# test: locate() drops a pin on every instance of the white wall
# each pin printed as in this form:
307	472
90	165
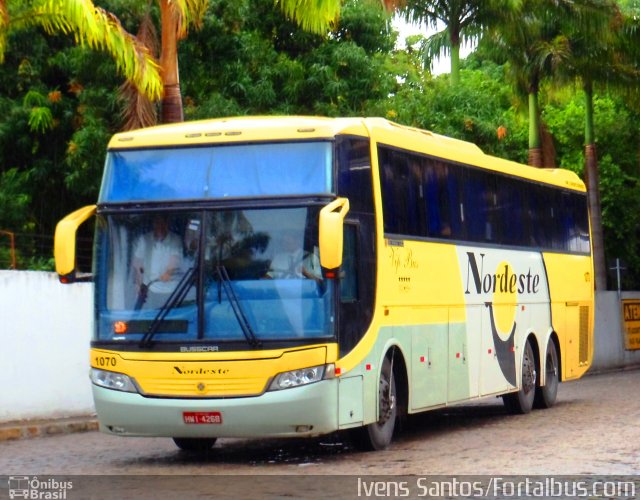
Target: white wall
609	348
45	329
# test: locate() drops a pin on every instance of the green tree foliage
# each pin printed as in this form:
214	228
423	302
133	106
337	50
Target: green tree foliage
618	140
479	109
56	108
460	21
59	105
257	61
90	26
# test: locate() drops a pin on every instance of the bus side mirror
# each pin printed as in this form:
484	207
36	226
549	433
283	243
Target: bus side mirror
64	248
331	232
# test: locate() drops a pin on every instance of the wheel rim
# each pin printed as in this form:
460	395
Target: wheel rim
528	372
552	369
387	400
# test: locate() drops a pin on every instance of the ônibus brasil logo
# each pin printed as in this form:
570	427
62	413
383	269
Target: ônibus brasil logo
504	285
34	488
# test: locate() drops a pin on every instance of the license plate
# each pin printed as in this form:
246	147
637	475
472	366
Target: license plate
202	417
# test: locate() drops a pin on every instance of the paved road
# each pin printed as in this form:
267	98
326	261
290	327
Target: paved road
594	429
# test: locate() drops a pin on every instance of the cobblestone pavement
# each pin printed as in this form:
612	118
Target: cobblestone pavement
592	430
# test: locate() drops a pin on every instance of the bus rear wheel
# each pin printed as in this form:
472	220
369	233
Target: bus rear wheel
522	401
546	394
378	435
195	444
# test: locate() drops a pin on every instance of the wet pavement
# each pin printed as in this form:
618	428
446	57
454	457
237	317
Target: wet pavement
593	429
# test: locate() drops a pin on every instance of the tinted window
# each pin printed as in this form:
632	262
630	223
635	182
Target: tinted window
349	277
442	200
218	172
354	173
433	198
402	193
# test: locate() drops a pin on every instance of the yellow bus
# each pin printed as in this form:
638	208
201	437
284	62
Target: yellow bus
296	276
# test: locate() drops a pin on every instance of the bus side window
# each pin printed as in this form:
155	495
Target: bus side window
437	199
510	210
402	192
357	280
476	197
349	272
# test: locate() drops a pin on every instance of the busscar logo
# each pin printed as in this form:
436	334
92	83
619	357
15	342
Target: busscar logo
204	348
504	285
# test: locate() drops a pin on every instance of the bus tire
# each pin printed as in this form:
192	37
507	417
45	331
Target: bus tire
378	435
195	444
521	402
546	394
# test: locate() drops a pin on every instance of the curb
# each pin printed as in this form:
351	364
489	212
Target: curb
27	429
613	369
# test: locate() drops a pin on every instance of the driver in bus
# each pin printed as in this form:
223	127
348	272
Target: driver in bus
293	261
157	256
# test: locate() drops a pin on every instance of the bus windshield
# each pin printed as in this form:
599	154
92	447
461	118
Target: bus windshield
205	172
211	276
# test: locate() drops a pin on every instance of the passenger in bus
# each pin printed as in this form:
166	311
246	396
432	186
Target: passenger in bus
157	256
293	261
227	229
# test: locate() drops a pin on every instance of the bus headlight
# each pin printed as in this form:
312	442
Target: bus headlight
296	378
112	380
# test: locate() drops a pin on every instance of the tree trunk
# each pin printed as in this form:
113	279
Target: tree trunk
535	151
547	146
455	63
535	157
171	100
593	193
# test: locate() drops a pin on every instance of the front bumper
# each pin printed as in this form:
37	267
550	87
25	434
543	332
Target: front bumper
309	410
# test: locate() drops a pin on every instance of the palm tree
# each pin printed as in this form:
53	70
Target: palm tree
176	17
628	43
557	41
89	25
463	22
535	42
600	55
100	29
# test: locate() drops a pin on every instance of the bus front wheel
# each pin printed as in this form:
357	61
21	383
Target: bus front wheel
378	435
522	401
195	444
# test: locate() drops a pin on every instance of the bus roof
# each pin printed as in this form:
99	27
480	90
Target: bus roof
280	128
239	129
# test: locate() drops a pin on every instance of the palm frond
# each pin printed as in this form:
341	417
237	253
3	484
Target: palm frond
316	16
100	30
424	12
435	46
189	13
138	111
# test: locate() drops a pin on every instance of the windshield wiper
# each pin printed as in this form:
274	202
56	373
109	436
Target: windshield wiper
225	283
175	298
